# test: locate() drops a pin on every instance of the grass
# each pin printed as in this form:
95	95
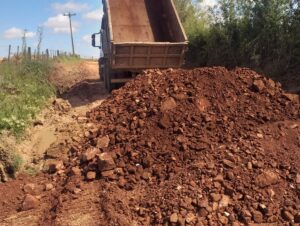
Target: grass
24	91
68	59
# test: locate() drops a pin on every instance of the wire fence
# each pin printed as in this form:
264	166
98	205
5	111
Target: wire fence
17	53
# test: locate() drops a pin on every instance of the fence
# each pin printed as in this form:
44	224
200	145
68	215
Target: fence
16	53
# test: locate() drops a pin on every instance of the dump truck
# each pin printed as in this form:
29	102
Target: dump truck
136	35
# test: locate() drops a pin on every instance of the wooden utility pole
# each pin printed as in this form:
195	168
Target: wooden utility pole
71	29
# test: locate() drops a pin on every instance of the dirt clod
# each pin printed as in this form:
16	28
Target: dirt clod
168	105
267	178
49	187
91	175
287	216
30	202
106	162
258	85
29	188
90	154
103	142
174	218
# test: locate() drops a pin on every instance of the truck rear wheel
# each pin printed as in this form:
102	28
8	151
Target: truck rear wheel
101	69
107	78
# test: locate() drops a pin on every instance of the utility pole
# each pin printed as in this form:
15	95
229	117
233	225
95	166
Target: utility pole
71	29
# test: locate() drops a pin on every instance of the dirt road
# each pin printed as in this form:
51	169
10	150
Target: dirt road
46	142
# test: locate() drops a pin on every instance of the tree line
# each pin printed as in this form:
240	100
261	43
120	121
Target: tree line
261	34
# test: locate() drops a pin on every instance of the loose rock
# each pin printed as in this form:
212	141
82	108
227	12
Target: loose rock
103	142
30	202
267	178
106	162
91	175
174	218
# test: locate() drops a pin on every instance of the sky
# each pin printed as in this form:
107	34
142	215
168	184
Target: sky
18	15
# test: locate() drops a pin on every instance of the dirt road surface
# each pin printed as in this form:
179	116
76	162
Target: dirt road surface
62	122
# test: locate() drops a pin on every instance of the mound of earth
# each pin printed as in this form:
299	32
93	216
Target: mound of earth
201	147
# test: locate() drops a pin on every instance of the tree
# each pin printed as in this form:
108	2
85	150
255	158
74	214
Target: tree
262	34
193	20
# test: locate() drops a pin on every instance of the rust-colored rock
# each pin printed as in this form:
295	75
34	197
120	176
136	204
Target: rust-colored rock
202	104
90	154
29	189
258	85
168	104
174	218
106	162
267	178
103	142
30	202
91	175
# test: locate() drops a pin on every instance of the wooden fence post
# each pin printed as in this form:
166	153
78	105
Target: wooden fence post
9	51
18	51
29	53
47	53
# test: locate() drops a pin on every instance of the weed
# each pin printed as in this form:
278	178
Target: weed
17	163
31	171
24	90
68	59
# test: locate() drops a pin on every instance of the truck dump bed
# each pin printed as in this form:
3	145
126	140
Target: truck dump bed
130	21
145	34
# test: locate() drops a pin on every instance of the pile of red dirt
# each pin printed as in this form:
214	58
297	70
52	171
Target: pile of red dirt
195	147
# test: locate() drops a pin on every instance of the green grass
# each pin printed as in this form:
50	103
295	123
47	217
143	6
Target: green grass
24	91
68	59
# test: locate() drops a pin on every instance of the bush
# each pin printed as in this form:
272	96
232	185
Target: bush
262	34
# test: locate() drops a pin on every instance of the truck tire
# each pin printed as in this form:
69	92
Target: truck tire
107	78
101	71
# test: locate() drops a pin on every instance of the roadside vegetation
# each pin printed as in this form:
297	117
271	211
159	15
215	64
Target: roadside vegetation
262	34
24	90
68	59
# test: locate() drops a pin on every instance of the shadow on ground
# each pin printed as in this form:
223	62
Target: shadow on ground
85	92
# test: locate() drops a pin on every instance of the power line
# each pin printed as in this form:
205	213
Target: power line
71	29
